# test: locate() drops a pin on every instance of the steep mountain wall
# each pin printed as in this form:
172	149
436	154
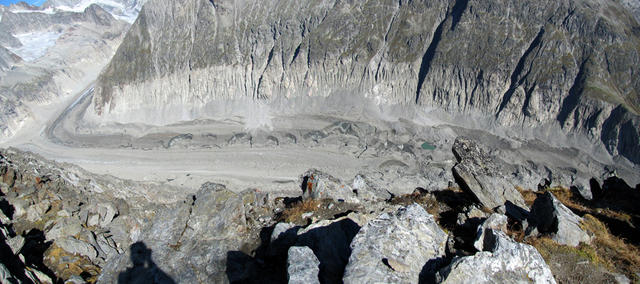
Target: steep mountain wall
46	56
570	65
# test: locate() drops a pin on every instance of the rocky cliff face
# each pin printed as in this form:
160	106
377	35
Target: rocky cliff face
545	65
47	53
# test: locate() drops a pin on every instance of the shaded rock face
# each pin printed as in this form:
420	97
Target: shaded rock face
550	216
503	261
536	66
477	173
396	248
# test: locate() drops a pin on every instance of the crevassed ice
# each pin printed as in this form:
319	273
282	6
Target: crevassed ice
35	44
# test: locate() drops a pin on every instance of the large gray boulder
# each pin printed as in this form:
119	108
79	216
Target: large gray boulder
64	227
302	266
396	247
320	185
188	241
477	173
550	216
75	246
505	261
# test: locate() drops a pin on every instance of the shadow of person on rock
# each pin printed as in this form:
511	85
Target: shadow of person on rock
144	270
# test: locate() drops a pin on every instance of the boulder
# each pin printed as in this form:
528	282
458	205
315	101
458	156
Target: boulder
75	279
93	220
319	185
188	241
64	227
550	216
283	236
396	247
495	222
330	240
477	173
302	266
16	243
75	246
470	213
35	212
366	190
504	261
40	276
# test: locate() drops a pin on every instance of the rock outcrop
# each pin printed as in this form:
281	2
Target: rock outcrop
496	222
550	216
544	68
503	261
46	56
477	173
396	247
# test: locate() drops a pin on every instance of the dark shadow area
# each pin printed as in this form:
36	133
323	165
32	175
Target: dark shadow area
330	244
6	208
618	196
516	212
144	270
431	268
12	262
543	216
465	234
33	251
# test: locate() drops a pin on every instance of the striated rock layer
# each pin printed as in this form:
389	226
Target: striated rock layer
541	68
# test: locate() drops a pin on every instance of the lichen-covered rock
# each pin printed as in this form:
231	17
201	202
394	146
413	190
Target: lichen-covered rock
503	261
477	173
396	247
550	216
302	266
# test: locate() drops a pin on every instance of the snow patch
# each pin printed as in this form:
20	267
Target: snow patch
35	44
49	11
118	10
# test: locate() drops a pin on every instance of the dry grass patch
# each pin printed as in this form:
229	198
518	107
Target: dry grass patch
428	201
614	252
572	264
588	263
529	196
294	213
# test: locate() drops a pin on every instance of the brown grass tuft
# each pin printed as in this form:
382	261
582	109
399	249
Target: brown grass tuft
572	264
613	251
294	213
529	196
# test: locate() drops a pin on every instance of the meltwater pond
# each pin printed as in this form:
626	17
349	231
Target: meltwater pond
428	146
